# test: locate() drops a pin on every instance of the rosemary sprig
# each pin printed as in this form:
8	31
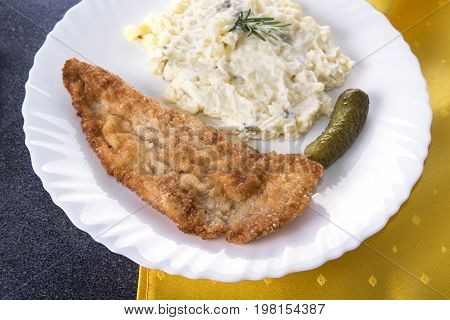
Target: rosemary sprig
258	26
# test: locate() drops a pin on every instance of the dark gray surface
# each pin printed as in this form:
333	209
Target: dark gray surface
42	254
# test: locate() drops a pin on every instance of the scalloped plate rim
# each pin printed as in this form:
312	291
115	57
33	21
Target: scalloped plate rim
331	254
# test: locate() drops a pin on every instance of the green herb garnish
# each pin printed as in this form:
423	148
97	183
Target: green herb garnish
260	27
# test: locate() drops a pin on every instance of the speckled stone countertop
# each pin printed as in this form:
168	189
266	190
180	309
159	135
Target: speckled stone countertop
42	254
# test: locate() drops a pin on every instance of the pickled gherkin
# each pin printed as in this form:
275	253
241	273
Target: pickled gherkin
347	121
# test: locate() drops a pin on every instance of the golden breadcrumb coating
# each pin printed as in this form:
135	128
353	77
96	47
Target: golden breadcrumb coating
207	185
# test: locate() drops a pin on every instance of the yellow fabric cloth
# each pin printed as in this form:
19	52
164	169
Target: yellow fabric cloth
410	257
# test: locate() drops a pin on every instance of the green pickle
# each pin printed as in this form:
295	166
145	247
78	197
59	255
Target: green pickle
347	121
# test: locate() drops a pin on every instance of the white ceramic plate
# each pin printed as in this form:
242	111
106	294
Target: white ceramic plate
354	200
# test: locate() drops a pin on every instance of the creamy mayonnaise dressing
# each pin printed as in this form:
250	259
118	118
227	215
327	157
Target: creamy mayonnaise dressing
260	89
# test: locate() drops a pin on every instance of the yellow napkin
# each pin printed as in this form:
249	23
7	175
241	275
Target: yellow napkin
410	257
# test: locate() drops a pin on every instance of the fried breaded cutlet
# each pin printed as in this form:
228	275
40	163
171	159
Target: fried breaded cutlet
207	185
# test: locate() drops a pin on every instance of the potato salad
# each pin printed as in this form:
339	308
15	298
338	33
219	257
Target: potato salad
258	66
